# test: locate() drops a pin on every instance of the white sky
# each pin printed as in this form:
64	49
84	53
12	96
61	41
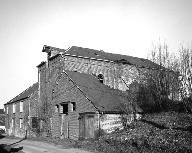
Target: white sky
119	26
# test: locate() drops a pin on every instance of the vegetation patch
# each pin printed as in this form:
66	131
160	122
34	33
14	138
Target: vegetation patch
173	136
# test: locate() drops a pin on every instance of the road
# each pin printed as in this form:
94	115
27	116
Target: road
41	147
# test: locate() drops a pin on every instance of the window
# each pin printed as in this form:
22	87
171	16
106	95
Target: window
21	123
14	106
12	122
64	108
100	77
34	122
71	106
21	106
7	109
74	106
56	108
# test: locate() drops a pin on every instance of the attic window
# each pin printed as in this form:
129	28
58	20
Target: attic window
100	78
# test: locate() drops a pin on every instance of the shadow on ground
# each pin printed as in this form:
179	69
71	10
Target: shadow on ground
2	136
5	148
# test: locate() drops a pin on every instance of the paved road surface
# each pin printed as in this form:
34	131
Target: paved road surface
41	147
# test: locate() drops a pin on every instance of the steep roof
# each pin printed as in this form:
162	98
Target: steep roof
25	94
103	97
118	58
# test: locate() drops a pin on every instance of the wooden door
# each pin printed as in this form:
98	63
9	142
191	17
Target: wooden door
82	127
65	126
89	127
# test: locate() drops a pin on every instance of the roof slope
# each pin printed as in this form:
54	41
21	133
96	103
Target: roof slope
103	97
25	94
92	53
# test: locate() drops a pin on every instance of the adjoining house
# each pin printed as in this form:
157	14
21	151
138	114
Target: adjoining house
2	119
20	111
79	92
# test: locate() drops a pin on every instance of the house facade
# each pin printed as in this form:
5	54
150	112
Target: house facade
79	93
21	111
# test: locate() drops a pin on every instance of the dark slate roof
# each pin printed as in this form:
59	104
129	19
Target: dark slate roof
25	94
103	97
118	58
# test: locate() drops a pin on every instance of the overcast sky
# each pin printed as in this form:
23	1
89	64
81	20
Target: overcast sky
119	26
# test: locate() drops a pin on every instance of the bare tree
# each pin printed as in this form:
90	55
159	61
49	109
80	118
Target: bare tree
180	63
165	79
185	69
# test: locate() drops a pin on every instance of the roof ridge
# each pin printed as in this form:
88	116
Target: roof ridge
120	58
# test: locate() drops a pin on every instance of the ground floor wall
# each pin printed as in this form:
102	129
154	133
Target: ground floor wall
72	125
84	125
65	125
18	129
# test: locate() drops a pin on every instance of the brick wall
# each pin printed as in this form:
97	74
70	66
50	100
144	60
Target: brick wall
13	120
56	88
67	126
113	73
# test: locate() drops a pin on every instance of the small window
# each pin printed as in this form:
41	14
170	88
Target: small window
12	122
34	122
7	109
74	106
56	108
71	106
14	106
21	123
64	109
100	77
21	107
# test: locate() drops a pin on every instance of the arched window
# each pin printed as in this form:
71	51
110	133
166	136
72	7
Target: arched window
100	78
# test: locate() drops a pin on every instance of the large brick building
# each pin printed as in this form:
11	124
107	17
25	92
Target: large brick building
78	91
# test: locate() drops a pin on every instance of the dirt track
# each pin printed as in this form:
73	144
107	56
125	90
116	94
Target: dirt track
41	147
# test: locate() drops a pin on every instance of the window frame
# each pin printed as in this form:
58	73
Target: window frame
21	106
21	123
7	109
14	108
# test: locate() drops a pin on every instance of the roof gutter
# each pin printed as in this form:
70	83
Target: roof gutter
17	100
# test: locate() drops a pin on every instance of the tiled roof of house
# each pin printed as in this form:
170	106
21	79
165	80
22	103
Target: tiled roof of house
103	97
25	94
118	58
101	55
